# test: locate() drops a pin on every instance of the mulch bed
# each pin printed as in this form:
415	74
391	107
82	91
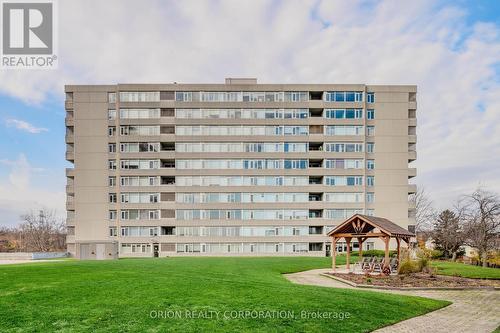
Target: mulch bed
420	280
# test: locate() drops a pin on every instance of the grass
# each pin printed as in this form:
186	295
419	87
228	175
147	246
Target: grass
466	271
121	295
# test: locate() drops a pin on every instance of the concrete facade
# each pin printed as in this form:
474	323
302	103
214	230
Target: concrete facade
233	169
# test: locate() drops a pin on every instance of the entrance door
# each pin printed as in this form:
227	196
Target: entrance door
156	250
328	249
84	251
100	250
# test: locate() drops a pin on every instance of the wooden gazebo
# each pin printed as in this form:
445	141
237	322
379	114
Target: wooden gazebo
363	227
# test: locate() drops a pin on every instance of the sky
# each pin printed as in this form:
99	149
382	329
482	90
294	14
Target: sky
449	49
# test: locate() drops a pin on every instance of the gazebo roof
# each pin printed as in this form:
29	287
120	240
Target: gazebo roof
359	224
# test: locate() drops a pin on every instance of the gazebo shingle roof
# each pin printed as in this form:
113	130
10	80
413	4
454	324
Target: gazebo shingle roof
386	226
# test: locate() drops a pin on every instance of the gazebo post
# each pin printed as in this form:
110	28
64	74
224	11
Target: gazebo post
334	252
360	242
387	240
348	257
398	240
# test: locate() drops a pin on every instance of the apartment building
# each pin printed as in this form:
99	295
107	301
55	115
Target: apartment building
239	168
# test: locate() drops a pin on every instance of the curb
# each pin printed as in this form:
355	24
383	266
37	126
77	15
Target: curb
366	286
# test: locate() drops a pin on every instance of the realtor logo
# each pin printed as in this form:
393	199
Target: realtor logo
28	34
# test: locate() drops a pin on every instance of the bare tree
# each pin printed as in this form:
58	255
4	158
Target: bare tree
448	233
481	211
424	211
41	232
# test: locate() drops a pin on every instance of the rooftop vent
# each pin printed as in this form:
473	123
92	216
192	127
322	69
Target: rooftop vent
239	80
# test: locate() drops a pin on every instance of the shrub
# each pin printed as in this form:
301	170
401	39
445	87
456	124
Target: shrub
422	264
407	267
415	266
437	254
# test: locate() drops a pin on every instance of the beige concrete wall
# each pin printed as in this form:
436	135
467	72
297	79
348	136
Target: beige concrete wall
90	120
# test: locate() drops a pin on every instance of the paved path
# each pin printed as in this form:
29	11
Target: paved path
23	261
475	311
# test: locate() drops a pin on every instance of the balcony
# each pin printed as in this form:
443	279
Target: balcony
412	189
412	139
315	180
167	180
70	156
69	118
412	156
315	163
70	188
70	238
68	104
70	172
412	172
315	196
70	138
315	146
411	207
412	122
315	213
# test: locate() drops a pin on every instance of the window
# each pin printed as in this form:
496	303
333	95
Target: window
112	164
370	181
344	130
111	114
112	197
139	147
112	232
139	113
111	181
370	164
344	96
111	131
343	197
344	147
140	214
112	147
139	130
140	96
370	130
131	197
343	180
295	164
220	96
370	197
370	146
370	114
111	97
112	214
184	96
344	113
370	97
296	96
344	164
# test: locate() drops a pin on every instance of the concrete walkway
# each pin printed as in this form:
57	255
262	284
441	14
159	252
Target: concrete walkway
472	310
22	261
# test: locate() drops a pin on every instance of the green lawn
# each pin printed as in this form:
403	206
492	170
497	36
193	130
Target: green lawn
121	295
467	271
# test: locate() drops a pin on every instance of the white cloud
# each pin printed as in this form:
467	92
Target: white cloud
25	126
18	194
454	64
